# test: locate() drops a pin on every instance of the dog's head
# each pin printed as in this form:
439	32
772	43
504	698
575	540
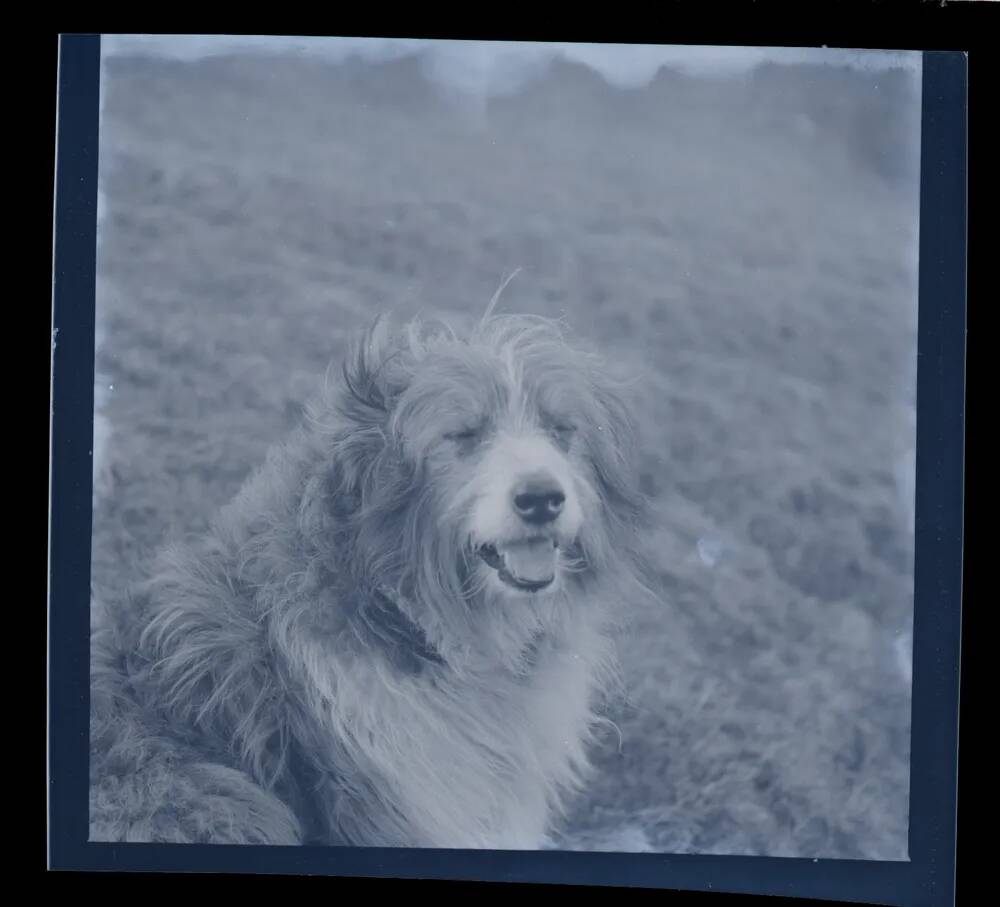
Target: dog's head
486	477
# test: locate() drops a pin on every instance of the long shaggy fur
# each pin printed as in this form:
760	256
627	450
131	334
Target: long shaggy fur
332	663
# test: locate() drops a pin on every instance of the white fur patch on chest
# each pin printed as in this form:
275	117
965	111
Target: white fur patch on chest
450	760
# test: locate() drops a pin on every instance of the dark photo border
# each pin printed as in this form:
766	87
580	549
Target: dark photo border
926	879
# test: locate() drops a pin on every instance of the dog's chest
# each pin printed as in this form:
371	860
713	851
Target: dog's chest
445	760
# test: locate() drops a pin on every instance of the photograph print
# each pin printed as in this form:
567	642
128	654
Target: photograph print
504	446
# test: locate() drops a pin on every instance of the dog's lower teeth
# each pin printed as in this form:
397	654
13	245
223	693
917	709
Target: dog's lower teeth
527	585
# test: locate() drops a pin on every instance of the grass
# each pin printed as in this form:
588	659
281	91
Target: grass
746	246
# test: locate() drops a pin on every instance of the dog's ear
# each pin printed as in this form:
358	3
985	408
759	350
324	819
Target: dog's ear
373	373
615	462
614	451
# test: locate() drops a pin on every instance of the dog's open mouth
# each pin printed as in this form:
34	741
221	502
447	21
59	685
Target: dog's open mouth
528	565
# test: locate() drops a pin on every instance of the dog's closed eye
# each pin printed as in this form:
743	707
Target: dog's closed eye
563	432
471	433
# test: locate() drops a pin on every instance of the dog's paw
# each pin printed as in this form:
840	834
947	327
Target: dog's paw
199	803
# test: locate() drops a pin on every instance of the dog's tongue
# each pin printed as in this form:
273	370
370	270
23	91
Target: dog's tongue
531	561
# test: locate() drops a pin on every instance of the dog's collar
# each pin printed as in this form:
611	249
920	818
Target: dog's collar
407	643
398	631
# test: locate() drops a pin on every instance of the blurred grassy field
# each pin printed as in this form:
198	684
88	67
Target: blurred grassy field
746	245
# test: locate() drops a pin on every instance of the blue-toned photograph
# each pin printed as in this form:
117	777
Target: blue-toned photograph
505	446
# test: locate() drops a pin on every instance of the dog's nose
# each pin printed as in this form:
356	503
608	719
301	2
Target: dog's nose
538	501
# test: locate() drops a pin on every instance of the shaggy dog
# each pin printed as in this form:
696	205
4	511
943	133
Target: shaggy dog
398	632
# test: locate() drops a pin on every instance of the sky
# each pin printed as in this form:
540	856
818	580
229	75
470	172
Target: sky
494	68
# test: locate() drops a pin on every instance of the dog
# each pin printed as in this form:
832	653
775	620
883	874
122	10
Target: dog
400	631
